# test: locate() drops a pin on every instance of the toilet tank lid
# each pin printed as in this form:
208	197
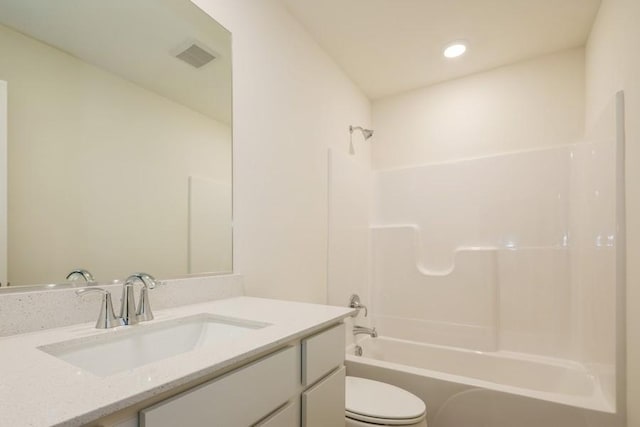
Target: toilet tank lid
381	400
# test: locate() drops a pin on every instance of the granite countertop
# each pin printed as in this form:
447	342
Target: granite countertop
38	389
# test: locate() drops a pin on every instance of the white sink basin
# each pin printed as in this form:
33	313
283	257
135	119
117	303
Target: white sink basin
134	346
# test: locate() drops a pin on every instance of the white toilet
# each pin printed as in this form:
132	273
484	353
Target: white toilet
374	403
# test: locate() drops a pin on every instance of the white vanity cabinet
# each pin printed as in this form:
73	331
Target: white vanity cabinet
239	398
322	353
323	404
323	378
287	416
300	385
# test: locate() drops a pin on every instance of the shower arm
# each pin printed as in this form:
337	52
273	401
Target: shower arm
366	133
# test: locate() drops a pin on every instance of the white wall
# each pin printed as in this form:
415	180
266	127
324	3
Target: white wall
612	64
532	104
99	168
349	260
291	102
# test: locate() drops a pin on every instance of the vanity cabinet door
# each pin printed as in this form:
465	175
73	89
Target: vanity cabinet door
323	404
289	416
238	399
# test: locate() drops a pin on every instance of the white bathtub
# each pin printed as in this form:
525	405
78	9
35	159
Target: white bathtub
464	388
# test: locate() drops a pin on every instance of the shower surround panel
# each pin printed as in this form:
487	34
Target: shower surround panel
517	256
482	246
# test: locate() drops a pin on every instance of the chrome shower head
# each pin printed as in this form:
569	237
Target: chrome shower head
367	133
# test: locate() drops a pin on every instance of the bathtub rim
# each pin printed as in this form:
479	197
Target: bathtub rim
596	401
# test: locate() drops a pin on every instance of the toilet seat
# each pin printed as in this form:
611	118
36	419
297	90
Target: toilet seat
384	421
381	403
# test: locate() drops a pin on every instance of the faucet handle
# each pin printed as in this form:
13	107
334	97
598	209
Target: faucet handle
128	304
144	312
354	302
106	318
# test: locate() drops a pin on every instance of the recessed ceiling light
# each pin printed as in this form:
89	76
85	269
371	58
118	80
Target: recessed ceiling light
454	49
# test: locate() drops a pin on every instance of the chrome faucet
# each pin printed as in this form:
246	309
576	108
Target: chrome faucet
128	312
358	330
81	272
129	315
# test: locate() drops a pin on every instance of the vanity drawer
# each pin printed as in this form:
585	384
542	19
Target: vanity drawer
322	353
239	398
289	416
323	404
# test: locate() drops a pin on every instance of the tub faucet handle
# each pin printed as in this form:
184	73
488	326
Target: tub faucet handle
354	302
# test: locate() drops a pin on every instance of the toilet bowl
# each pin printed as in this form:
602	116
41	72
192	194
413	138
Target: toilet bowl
373	403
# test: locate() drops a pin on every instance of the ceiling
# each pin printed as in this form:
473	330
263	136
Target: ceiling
136	40
391	46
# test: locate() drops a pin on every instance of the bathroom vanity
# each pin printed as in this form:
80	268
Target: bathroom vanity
301	384
233	362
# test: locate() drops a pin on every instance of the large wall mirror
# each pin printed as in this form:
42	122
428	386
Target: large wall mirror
118	134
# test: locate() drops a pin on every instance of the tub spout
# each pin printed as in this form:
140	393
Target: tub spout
357	330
